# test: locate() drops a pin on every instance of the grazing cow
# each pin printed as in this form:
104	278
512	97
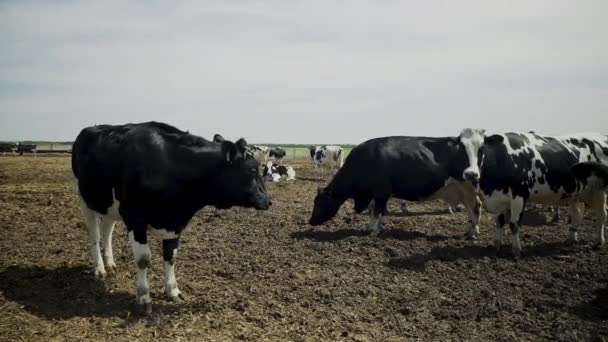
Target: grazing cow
278	154
260	153
26	148
275	171
154	177
408	168
7	147
514	169
327	157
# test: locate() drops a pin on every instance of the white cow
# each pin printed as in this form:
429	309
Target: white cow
329	157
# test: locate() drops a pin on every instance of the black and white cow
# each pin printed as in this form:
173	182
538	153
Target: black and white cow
276	172
329	157
260	153
278	154
408	168
26	148
518	168
154	177
8	147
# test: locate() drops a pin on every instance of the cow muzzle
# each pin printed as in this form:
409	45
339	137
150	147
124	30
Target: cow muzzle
471	176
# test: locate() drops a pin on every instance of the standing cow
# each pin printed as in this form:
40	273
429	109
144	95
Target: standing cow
329	157
278	154
8	147
155	177
408	168
516	168
260	153
26	148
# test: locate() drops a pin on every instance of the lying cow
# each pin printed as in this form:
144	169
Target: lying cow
278	154
408	168
276	172
327	157
528	167
155	177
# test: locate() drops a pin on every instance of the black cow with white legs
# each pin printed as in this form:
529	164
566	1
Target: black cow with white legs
518	168
408	168
154	177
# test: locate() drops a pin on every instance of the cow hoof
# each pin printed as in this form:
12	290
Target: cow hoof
96	272
516	254
374	233
143	309
111	266
471	237
177	299
598	246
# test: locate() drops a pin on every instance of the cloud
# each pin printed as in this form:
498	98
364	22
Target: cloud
315	71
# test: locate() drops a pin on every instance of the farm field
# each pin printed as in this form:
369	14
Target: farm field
266	275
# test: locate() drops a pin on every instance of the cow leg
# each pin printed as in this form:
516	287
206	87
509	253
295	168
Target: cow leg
404	207
450	210
107	228
138	236
500	226
376	210
576	211
555	218
599	205
474	211
170	256
92	222
517	209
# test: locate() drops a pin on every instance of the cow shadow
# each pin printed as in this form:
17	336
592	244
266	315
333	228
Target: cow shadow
418	262
596	309
62	293
347	233
67	292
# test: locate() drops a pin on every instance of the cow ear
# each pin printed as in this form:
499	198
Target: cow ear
494	139
230	151
218	138
242	145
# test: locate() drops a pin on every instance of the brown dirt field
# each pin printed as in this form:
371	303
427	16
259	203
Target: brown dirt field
265	275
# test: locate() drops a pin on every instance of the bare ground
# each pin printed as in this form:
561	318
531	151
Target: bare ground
266	275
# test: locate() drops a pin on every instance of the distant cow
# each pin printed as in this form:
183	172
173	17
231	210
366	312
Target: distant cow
278	154
155	177
518	168
26	148
8	147
260	153
408	168
327	157
276	172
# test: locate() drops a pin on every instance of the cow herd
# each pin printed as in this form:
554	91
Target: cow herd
155	177
14	148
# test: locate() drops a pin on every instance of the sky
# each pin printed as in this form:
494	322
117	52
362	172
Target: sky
290	71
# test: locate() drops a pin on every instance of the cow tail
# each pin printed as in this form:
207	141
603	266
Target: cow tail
341	158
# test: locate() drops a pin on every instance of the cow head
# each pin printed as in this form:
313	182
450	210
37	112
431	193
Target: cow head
472	139
267	169
325	208
240	178
474	142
